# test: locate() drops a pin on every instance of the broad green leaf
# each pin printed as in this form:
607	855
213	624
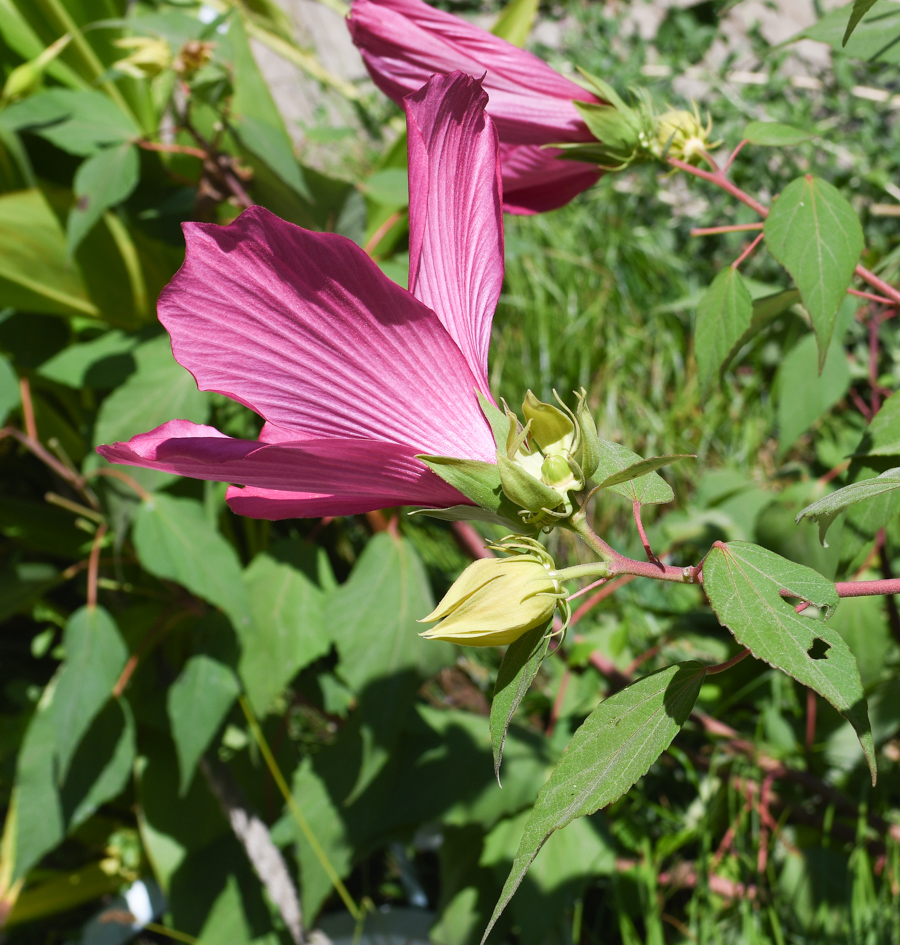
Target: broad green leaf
723	316
876	38
774	134
804	396
95	657
101	363
36	273
745	585
80	122
175	541
815	234
10	397
860	9
614	747
22	584
882	438
291	629
648	489
520	665
197	703
45	810
102	181
827	509
389	187
516	21
642	468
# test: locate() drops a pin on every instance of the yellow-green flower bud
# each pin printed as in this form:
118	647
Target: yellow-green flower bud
555	471
682	135
149	56
495	601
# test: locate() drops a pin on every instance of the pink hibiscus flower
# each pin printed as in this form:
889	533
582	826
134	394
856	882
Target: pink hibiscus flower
404	42
353	375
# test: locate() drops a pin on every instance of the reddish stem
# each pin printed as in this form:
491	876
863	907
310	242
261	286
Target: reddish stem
94	565
720	180
381	232
747	251
871	297
721	667
172	149
602	594
735	153
636	510
28	409
733	228
558	703
810	720
123	477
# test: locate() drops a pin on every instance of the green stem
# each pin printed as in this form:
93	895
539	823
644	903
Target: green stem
595	569
294	808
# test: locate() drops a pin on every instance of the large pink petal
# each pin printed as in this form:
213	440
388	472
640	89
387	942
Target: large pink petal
274	505
455	213
405	42
307	331
536	180
369	470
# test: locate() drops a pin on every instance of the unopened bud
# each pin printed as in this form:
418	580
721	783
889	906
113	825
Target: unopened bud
682	135
495	601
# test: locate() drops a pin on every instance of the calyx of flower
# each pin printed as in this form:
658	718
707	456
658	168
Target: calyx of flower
681	134
496	600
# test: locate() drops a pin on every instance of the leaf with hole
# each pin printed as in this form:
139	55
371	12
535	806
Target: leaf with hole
614	747
746	586
815	234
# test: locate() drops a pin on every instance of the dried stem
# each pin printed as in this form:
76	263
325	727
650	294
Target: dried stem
732	228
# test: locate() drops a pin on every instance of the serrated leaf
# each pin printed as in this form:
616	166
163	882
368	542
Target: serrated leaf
724	315
827	509
860	9
95	657
516	21
520	665
815	234
197	703
614	747
745	585
773	134
647	489
174	540
102	181
291	629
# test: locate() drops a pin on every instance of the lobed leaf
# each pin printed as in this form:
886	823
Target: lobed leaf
746	585
520	665
815	234
825	510
614	747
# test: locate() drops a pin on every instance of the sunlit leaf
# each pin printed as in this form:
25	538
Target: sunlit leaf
746	585
827	509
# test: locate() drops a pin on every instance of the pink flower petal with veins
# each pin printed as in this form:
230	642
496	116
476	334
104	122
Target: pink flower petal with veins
353	375
535	180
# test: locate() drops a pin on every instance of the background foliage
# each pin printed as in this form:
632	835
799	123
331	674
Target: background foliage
155	646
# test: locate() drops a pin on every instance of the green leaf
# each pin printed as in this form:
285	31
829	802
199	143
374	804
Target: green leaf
10	397
860	9
175	541
101	363
389	187
614	747
804	396
45	810
874	39
775	135
815	234
723	316
882	438
22	584
102	181
516	21
745	584
36	274
642	468
197	703
520	665
95	657
827	509
765	310
648	489
80	122
291	629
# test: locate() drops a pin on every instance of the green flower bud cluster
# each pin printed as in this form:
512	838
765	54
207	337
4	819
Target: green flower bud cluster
497	600
635	134
552	456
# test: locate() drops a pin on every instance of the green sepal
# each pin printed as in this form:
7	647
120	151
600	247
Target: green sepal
551	429
616	129
476	480
498	420
523	489
587	452
472	513
606	91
